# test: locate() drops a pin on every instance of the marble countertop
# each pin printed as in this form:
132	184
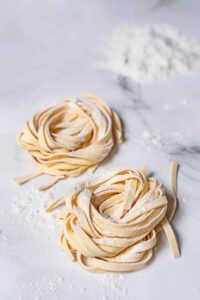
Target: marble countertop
49	50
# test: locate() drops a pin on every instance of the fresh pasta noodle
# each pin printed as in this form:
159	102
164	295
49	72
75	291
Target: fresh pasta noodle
69	138
111	223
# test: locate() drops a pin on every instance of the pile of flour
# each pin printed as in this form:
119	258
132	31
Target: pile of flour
150	53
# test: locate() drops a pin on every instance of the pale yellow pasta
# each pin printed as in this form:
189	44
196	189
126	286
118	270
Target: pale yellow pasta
69	138
111	224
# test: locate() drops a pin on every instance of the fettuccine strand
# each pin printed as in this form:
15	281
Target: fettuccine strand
111	224
69	138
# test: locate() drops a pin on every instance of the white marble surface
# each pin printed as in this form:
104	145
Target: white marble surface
49	50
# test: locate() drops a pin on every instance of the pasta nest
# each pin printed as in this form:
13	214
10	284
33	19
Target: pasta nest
73	136
111	224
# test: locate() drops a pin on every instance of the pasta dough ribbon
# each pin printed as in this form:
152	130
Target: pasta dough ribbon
111	223
69	138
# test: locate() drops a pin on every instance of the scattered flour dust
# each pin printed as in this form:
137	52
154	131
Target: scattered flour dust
174	143
171	144
151	53
44	286
30	208
118	285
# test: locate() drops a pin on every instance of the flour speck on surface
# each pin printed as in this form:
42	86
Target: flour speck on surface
174	143
151	53
29	207
116	285
45	286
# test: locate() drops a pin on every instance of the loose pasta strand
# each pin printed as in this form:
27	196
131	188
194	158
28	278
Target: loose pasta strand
111	224
69	138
